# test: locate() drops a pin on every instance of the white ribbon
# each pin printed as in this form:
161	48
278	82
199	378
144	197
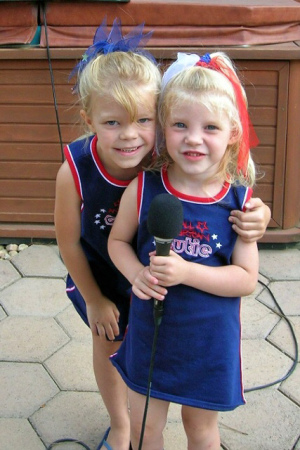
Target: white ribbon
184	61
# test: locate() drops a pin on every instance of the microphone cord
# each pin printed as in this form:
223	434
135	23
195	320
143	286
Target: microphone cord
157	321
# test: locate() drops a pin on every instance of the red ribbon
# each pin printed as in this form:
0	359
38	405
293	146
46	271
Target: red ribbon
249	137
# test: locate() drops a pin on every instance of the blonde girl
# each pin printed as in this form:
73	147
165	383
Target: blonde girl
205	162
118	83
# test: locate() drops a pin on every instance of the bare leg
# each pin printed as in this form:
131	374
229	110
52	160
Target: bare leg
201	427
113	391
155	422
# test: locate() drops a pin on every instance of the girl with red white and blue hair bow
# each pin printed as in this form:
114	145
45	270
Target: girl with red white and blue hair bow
204	162
214	75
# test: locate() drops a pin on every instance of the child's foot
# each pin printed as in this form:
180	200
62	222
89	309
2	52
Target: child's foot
113	439
103	443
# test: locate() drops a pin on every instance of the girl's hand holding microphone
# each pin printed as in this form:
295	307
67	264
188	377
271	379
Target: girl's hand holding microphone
146	285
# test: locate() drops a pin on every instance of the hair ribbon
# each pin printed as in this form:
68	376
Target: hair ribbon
107	42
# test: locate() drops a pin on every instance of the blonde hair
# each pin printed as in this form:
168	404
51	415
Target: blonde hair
215	92
117	75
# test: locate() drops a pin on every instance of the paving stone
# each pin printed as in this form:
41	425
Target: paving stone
72	366
282	336
8	274
24	388
44	297
269	421
55	249
18	434
30	339
280	264
72	323
286	294
262	363
39	261
77	415
291	386
257	319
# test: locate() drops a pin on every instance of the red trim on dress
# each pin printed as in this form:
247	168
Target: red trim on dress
74	171
101	168
140	189
247	197
180	195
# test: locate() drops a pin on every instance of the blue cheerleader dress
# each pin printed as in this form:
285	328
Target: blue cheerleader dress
100	196
198	356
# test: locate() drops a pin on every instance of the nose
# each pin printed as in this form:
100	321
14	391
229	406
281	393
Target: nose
194	137
129	131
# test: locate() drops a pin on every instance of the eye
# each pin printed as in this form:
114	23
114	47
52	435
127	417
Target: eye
212	127
144	120
179	125
111	122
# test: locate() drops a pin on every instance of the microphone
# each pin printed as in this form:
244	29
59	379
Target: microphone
164	222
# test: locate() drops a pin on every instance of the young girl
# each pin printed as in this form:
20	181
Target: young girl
118	84
206	164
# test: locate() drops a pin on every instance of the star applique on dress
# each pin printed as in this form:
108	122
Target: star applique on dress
99	219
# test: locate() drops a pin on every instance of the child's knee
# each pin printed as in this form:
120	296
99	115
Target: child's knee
152	435
201	426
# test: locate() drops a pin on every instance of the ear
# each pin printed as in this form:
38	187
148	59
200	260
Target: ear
87	120
234	136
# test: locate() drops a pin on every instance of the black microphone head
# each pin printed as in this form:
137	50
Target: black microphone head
165	216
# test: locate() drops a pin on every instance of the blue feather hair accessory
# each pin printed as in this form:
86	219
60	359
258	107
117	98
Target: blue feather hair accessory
107	42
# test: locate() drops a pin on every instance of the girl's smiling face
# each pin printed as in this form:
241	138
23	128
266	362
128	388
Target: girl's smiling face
123	143
197	138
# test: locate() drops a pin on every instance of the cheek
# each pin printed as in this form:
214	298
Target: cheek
150	136
106	135
152	133
170	137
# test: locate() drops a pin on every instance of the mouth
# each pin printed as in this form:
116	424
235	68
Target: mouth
127	150
193	154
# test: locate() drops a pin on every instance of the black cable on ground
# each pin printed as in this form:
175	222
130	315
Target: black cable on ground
52	83
295	361
61	441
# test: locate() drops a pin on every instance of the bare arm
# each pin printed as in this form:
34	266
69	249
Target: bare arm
123	255
251	225
102	313
238	279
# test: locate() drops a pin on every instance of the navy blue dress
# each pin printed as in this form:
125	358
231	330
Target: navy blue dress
100	198
198	356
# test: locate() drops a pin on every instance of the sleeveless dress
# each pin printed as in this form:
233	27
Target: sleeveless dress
100	198
198	356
